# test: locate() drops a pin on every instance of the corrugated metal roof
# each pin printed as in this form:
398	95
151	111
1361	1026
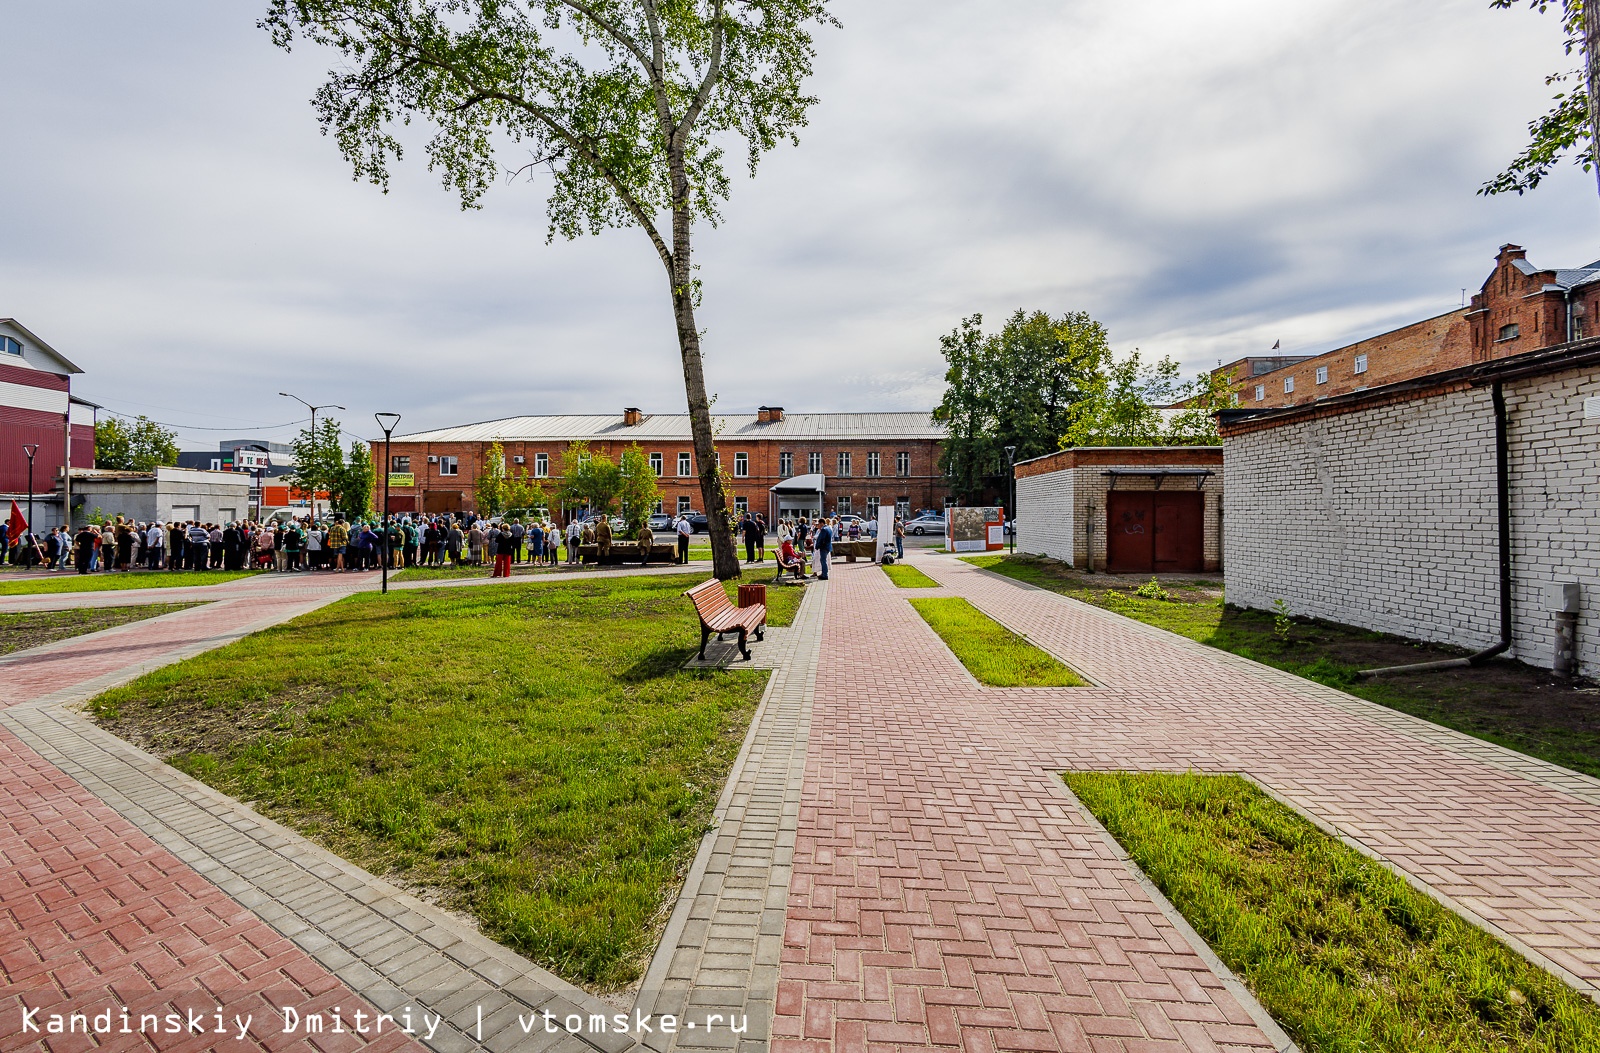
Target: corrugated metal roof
660	427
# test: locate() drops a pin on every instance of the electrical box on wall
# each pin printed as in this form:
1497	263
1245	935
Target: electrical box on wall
432	459
1591	408
1563	597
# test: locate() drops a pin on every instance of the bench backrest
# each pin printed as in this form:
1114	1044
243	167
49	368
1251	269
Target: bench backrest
710	599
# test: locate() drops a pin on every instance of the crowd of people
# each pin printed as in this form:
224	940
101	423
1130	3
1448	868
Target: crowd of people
330	542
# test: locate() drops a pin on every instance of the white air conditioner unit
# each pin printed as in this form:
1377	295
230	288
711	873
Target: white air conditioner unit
432	459
519	459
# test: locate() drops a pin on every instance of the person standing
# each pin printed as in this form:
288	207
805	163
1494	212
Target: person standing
824	543
646	539
338	541
602	539
684	530
452	543
747	527
761	538
899	538
505	549
83	549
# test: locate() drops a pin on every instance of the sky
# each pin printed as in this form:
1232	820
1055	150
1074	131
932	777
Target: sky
1204	179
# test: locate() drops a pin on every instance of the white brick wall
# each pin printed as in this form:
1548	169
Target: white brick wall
1047	524
1053	508
1386	518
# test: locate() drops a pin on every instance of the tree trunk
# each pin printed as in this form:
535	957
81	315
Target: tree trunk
1591	70
724	554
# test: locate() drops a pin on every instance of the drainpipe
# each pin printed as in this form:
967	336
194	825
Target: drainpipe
1502	459
1088	538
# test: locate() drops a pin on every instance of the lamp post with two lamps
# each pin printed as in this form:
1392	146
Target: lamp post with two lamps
1011	465
386	422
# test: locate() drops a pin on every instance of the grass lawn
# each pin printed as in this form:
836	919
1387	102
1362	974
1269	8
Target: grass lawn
1344	954
908	577
517	569
991	652
18	632
532	755
1515	705
70	581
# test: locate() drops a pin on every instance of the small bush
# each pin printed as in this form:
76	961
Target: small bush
1152	590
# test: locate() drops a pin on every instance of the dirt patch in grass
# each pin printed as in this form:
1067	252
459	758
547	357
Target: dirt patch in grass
531	755
20	631
1516	705
1343	953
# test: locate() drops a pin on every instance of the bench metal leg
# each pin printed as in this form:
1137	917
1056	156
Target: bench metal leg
705	634
742	648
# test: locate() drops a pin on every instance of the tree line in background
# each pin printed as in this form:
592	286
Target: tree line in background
321	466
589	480
139	445
1043	383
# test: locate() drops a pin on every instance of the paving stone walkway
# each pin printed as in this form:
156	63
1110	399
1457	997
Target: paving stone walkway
947	892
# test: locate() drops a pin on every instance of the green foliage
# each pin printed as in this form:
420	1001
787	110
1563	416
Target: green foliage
535	754
907	577
523	492
637	490
1568	127
1152	590
993	654
321	466
1128	404
1343	953
1015	388
140	446
489	491
352	493
589	479
1281	623
148	579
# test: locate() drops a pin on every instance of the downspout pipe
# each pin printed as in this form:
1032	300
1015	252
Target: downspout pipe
1502	471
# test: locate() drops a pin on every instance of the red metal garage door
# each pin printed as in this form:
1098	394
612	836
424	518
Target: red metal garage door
1153	531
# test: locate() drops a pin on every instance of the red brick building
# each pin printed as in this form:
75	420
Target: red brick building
1520	308
819	462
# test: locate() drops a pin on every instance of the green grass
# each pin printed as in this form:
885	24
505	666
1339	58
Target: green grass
1345	955
23	630
991	652
908	577
1499	703
531	755
71	581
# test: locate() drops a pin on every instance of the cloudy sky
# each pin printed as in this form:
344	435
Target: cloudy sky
1204	178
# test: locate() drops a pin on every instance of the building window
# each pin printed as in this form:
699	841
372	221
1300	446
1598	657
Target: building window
10	346
541	466
844	463
683	503
902	508
1510	331
656	464
449	466
658	509
741	465
741	505
400	463
685	467
1288	385
216	464
1322	374
1361	363
872	508
1261	392
872	463
902	463
813	463
785	465
843	508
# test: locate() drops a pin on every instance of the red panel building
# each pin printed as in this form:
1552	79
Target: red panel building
37	408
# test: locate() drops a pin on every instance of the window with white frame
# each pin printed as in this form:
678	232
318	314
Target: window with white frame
541	465
872	508
656	464
658	510
683	503
1261	392
844	463
1322	374
1288	385
741	505
741	465
449	466
843	507
813	463
873	463
902	507
685	464
1361	363
10	346
785	464
902	463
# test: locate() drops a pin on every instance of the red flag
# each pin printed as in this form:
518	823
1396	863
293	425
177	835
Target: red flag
18	525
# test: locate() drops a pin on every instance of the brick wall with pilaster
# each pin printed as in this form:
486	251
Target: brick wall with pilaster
1385	517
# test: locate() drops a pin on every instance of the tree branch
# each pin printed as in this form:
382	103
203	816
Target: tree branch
713	74
658	76
611	29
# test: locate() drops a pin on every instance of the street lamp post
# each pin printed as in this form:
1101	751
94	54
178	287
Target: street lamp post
32	451
313	410
1011	465
386	422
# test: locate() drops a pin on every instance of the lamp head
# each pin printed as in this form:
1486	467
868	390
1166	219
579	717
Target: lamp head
386	421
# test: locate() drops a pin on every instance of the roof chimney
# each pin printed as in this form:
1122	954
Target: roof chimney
770	414
632	416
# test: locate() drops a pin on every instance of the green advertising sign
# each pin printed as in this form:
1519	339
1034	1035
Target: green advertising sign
402	479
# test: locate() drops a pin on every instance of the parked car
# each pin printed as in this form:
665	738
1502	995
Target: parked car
926	524
698	523
661	522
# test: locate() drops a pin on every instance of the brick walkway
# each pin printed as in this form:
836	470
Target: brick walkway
947	892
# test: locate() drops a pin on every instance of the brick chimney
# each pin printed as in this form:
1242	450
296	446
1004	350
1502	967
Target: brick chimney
1509	251
631	416
769	414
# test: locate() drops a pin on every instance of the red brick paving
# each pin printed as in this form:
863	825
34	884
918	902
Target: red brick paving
946	894
94	916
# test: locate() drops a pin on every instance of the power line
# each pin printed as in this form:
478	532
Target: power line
196	427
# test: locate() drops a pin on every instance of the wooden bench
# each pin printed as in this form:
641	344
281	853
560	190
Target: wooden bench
719	615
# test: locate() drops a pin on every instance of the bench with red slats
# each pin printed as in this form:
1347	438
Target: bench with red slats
719	615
